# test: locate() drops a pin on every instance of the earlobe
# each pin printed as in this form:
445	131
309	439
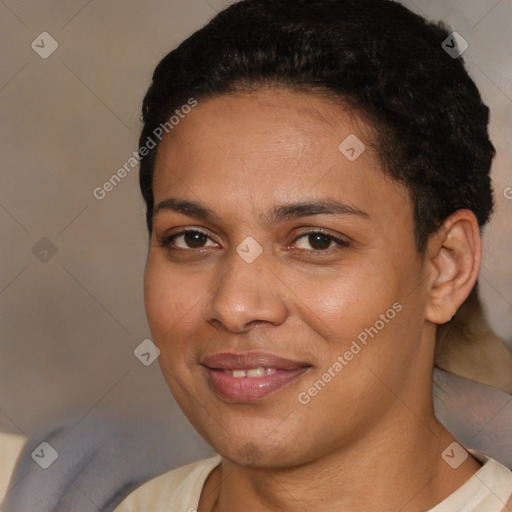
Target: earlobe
454	253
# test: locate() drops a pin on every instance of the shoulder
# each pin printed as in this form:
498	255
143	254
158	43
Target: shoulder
178	489
11	446
488	490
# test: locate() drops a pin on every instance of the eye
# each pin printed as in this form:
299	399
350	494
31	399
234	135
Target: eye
188	239
319	241
193	239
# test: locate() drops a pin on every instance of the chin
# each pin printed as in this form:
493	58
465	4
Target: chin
264	453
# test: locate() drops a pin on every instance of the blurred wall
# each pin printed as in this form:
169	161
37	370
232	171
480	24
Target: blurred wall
71	264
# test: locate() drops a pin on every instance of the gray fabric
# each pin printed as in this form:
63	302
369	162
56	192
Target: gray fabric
478	416
101	460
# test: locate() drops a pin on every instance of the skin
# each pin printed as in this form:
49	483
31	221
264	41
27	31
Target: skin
369	439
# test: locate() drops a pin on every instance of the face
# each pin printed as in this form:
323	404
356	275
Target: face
282	285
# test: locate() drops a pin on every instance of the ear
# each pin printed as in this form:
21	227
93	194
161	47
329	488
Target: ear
454	254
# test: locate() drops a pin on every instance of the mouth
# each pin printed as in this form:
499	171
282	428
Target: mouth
251	376
252	372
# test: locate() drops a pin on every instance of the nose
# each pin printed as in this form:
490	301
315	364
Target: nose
247	294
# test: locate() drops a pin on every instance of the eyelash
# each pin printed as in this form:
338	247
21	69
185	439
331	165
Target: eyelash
166	241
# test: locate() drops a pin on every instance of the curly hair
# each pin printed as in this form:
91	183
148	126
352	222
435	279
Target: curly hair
383	61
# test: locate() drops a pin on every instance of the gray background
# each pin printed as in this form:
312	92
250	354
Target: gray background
69	325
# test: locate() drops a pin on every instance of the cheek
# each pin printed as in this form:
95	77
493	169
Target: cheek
166	307
168	301
175	301
156	300
349	298
369	303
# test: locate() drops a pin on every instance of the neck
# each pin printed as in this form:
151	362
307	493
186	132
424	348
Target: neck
396	467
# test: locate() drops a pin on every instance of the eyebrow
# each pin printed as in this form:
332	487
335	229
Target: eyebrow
276	214
306	209
190	208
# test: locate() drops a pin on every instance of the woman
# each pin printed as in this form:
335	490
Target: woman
316	176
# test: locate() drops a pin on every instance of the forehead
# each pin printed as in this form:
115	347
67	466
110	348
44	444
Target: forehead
269	146
271	121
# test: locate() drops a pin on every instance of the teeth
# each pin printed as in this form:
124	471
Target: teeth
253	372
256	372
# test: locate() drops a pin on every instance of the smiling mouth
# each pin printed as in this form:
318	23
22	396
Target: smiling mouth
248	377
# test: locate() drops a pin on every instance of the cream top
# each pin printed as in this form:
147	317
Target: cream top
488	490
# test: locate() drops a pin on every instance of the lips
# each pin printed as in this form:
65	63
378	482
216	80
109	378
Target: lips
250	376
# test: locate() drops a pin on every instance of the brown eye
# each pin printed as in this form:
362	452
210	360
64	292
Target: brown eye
190	239
317	241
194	239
